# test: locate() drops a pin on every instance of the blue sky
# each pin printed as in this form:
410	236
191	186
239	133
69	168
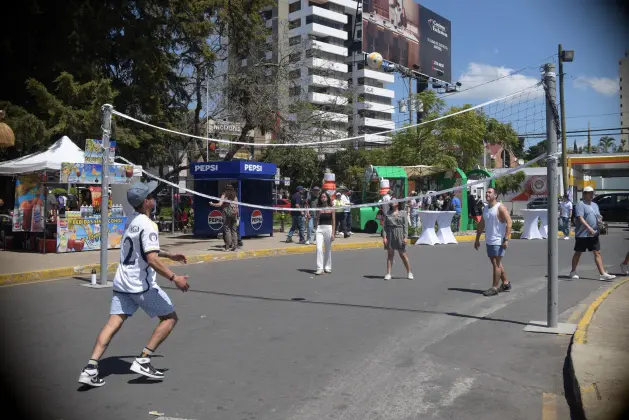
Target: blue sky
491	38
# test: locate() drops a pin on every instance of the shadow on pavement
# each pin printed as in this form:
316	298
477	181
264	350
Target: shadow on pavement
461	289
307	270
348	305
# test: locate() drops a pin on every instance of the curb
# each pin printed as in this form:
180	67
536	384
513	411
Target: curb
580	338
63	272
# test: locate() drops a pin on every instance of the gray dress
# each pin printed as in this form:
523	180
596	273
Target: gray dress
396	230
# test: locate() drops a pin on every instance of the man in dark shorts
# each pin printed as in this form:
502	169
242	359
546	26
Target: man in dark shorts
586	217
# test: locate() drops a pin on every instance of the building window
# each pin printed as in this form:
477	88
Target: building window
294	40
295	74
294	7
294	23
294	57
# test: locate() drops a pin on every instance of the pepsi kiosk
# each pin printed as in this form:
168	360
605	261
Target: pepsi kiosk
254	183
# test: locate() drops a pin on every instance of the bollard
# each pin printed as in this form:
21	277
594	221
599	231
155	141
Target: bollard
93	277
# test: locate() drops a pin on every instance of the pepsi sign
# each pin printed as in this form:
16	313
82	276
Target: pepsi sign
256	219
205	168
215	220
252	167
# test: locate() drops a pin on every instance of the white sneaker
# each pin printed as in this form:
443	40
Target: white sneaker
387	277
410	276
573	275
565	238
90	377
328	270
144	367
319	272
607	276
307	242
624	268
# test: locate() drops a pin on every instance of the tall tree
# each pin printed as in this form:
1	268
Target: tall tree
606	144
574	147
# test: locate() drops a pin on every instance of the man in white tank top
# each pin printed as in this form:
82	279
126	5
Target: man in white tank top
497	225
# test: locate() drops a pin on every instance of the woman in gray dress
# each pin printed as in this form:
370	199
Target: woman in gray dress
395	237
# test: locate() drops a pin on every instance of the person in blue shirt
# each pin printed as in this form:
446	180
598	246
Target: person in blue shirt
586	218
456	205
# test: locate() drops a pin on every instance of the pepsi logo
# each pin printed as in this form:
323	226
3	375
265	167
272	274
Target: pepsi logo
256	219
215	220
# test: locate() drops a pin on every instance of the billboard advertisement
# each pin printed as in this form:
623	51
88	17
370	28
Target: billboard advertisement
408	34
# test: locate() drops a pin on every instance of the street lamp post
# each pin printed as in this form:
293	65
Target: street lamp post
564	56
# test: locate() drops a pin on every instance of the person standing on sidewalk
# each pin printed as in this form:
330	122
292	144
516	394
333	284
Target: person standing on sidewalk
586	233
565	215
230	217
311	216
395	238
456	206
297	202
135	286
496	222
326	223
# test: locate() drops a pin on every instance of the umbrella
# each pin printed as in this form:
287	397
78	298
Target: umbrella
7	138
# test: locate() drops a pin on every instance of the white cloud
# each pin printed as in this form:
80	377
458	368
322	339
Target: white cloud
602	85
496	82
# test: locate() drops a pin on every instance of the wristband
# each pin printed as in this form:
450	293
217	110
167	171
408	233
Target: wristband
172	278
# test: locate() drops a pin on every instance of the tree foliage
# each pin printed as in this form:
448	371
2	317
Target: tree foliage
606	144
510	183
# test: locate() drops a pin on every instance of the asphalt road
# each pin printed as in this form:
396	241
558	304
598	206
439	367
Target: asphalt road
351	347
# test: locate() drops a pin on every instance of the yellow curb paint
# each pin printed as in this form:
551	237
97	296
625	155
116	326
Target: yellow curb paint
13	279
549	406
580	335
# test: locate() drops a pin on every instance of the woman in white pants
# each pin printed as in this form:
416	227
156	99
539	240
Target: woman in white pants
325	232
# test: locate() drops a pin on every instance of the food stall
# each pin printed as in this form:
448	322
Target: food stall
78	229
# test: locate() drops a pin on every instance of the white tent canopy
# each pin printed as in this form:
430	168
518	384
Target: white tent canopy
63	150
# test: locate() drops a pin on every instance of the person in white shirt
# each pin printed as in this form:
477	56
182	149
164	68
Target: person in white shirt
135	286
565	214
496	222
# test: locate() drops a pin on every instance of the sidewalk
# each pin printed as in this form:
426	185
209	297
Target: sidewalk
599	356
21	267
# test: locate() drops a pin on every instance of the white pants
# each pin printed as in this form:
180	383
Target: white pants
324	237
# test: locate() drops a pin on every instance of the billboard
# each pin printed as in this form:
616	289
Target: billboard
408	34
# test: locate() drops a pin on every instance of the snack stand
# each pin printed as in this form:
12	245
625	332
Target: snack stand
34	226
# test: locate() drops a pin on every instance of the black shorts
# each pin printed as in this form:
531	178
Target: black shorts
587	244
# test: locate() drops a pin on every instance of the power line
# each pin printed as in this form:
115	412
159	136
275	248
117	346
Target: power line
594	115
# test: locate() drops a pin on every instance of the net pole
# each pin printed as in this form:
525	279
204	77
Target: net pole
551	175
104	205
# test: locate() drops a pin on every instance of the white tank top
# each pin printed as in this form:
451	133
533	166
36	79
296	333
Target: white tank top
494	229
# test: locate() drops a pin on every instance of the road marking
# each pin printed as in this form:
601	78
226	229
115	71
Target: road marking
549	406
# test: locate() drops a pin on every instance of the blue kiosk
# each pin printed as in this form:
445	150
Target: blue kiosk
254	183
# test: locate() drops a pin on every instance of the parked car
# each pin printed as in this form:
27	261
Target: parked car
614	207
539	203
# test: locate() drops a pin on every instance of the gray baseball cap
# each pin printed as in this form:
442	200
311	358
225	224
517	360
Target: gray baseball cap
139	191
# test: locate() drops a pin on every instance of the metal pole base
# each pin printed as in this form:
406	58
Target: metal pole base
98	286
541	327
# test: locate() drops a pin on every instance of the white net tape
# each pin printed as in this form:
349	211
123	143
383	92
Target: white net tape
399	200
322	142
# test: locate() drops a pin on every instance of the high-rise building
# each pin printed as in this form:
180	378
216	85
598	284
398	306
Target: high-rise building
623	72
315	37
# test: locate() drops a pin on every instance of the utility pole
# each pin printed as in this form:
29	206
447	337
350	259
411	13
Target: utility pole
552	120
551	175
104	205
410	100
566	56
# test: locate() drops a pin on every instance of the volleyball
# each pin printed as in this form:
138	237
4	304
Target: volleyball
374	60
